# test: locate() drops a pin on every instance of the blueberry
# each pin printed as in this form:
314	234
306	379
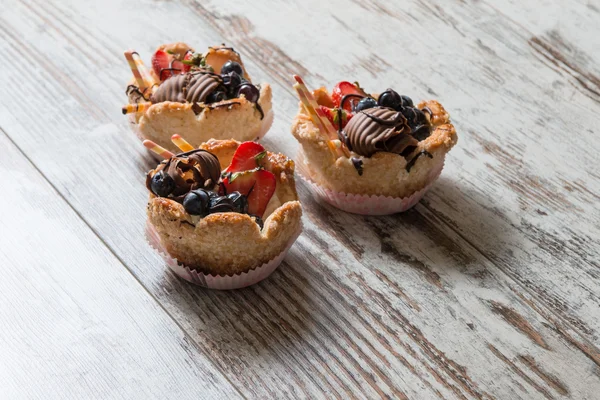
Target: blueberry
162	184
197	202
240	202
249	91
414	116
216	96
221	204
365	103
232	66
406	101
232	82
421	132
390	99
258	220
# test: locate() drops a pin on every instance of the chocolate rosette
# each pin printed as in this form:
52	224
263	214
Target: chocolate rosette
192	87
182	173
378	129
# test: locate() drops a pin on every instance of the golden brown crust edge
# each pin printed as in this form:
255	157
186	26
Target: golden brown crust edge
383	173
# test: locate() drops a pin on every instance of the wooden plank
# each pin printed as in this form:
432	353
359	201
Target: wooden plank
515	91
397	306
75	323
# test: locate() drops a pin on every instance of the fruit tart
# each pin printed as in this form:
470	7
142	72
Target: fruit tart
223	215
198	96
372	154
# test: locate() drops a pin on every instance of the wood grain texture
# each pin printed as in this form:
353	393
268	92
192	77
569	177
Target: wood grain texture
477	293
75	323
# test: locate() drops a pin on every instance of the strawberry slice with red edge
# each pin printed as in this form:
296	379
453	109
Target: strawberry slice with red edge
166	66
246	157
344	88
333	116
257	185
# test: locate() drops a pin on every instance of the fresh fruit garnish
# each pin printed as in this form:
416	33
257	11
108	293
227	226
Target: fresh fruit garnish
257	185
165	65
246	157
240	202
406	101
232	66
391	99
249	91
231	81
219	204
162	184
346	88
195	60
365	103
414	116
197	202
216	96
332	115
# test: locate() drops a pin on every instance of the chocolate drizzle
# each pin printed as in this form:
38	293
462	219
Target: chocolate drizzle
192	87
135	94
358	165
221	204
377	129
195	169
428	110
413	160
197	108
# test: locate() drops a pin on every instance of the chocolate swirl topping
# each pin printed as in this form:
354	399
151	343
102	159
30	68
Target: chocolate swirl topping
195	169
192	87
378	129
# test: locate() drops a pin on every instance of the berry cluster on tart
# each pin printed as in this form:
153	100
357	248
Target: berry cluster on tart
225	208
199	96
389	150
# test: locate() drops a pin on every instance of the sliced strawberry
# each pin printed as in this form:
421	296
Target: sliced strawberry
166	66
258	185
333	117
344	88
181	66
160	61
246	157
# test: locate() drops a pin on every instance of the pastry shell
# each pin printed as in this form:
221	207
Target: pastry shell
384	174
236	118
230	243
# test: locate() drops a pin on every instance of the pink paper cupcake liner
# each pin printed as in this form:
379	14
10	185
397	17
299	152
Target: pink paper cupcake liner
368	204
227	282
264	128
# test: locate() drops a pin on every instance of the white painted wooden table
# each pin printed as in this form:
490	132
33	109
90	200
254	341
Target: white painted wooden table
489	288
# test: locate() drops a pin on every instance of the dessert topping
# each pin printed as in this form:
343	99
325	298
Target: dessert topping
346	95
166	65
378	129
220	204
247	157
365	103
197	202
196	169
336	115
246	176
232	66
412	162
193	87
